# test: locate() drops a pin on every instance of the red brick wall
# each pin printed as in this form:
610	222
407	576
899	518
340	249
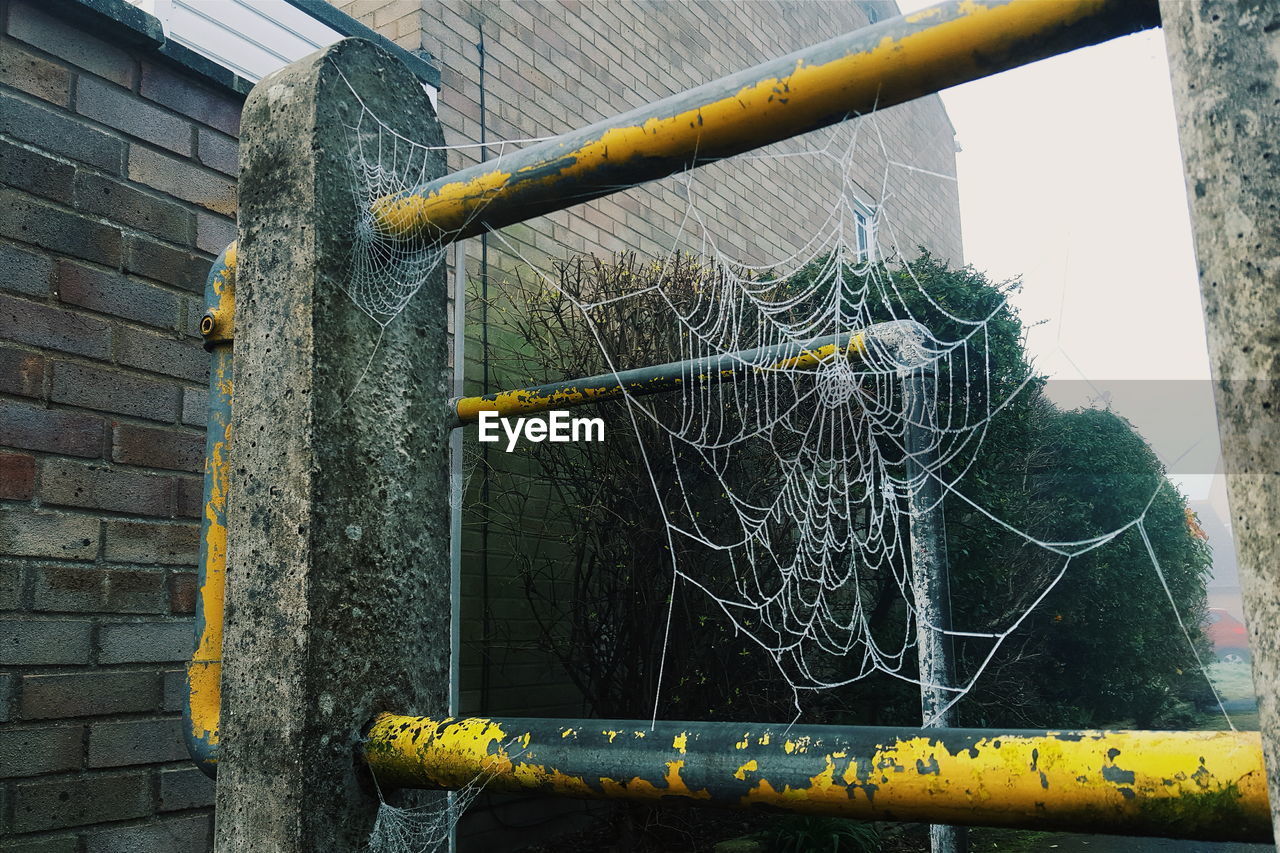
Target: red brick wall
116	189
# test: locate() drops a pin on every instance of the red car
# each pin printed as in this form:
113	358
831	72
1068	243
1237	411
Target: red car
1227	633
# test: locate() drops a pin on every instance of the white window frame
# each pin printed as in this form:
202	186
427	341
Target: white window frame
864	223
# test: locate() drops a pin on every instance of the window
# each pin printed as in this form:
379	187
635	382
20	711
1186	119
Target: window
864	225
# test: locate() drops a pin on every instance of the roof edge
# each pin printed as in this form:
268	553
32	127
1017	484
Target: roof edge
139	28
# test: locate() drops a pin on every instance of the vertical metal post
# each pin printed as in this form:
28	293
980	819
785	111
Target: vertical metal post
455	478
203	708
1224	58
929	584
456	490
338	515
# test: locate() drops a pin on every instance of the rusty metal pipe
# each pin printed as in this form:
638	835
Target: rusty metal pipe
875	67
879	344
660	378
1172	784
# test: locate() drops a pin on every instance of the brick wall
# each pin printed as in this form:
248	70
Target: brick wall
555	65
116	189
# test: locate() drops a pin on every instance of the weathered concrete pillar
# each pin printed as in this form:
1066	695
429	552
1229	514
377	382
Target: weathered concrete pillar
338	527
1225	62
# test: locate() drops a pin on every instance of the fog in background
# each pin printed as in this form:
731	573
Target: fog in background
1071	178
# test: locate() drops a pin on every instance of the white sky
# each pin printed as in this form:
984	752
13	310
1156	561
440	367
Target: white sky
1070	176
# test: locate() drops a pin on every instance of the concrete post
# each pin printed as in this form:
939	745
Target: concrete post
1224	56
338	580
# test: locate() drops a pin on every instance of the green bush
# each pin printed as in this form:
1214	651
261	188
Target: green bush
807	834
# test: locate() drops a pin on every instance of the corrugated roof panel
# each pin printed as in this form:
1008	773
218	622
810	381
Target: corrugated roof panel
250	37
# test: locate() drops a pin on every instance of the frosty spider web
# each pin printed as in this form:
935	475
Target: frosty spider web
420	829
386	269
807	478
425	828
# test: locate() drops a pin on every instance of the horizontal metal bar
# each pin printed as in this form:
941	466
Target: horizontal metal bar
1207	785
871	68
711	370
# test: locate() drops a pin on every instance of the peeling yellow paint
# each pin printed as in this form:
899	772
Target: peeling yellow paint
530	774
1117	779
639	788
204	671
218	323
573	786
824	784
527	400
891	71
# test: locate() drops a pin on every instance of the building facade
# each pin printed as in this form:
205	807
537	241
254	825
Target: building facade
118	162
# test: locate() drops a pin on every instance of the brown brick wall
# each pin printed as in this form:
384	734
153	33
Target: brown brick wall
555	65
116	188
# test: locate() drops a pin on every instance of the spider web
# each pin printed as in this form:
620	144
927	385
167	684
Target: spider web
426	828
819	471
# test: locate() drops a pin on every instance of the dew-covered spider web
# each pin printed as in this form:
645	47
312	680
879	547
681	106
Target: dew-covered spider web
429	827
421	829
859	402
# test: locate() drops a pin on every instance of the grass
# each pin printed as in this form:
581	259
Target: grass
1233	681
1005	840
1245	721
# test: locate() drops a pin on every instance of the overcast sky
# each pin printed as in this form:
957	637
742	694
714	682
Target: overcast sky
1070	176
